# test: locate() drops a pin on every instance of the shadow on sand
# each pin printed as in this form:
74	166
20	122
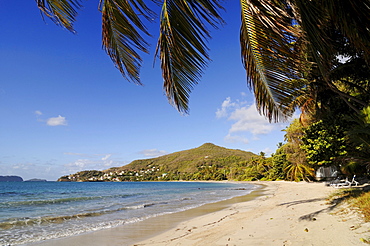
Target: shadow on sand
333	203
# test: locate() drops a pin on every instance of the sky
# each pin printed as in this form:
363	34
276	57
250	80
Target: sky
65	107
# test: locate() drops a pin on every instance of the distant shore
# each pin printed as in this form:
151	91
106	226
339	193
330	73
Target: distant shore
281	213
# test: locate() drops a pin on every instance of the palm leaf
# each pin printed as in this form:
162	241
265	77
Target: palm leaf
298	171
360	132
303	96
62	12
121	38
313	18
352	18
182	46
267	40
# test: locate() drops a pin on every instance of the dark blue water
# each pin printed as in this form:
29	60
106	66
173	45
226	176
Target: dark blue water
35	211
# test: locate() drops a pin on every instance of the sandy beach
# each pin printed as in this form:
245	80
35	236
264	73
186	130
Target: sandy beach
286	214
281	213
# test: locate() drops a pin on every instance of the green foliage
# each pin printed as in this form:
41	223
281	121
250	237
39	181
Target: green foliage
296	171
295	166
323	143
353	166
189	161
84	176
279	162
359	134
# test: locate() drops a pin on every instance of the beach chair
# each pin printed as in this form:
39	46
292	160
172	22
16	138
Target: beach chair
344	183
354	181
341	183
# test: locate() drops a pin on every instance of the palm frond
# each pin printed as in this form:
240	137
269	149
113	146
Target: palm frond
352	18
298	171
182	46
267	40
312	18
121	37
360	132
301	97
62	12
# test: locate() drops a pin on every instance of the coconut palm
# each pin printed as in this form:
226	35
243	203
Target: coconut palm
275	37
297	171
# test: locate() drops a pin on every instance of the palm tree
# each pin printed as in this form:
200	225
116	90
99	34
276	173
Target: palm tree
275	38
296	167
359	136
297	171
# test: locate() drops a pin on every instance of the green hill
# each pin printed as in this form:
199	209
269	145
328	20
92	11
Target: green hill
202	163
190	160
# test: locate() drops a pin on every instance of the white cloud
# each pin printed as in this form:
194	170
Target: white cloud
152	152
226	105
247	124
57	121
233	139
17	166
106	157
268	151
38	113
249	120
28	170
80	163
96	162
72	153
101	157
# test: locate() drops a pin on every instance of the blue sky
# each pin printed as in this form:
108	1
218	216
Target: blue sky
66	108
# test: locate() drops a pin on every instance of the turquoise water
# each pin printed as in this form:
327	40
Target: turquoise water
35	211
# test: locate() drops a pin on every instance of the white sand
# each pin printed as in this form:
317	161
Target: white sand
287	214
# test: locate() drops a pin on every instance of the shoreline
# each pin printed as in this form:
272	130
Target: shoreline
130	233
277	213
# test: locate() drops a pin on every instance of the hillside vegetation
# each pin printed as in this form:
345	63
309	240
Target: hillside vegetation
189	161
207	162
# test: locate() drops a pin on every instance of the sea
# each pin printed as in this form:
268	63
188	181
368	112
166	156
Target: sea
36	211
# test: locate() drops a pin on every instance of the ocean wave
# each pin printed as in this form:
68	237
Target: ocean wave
58	201
7	193
23	235
144	205
22	222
